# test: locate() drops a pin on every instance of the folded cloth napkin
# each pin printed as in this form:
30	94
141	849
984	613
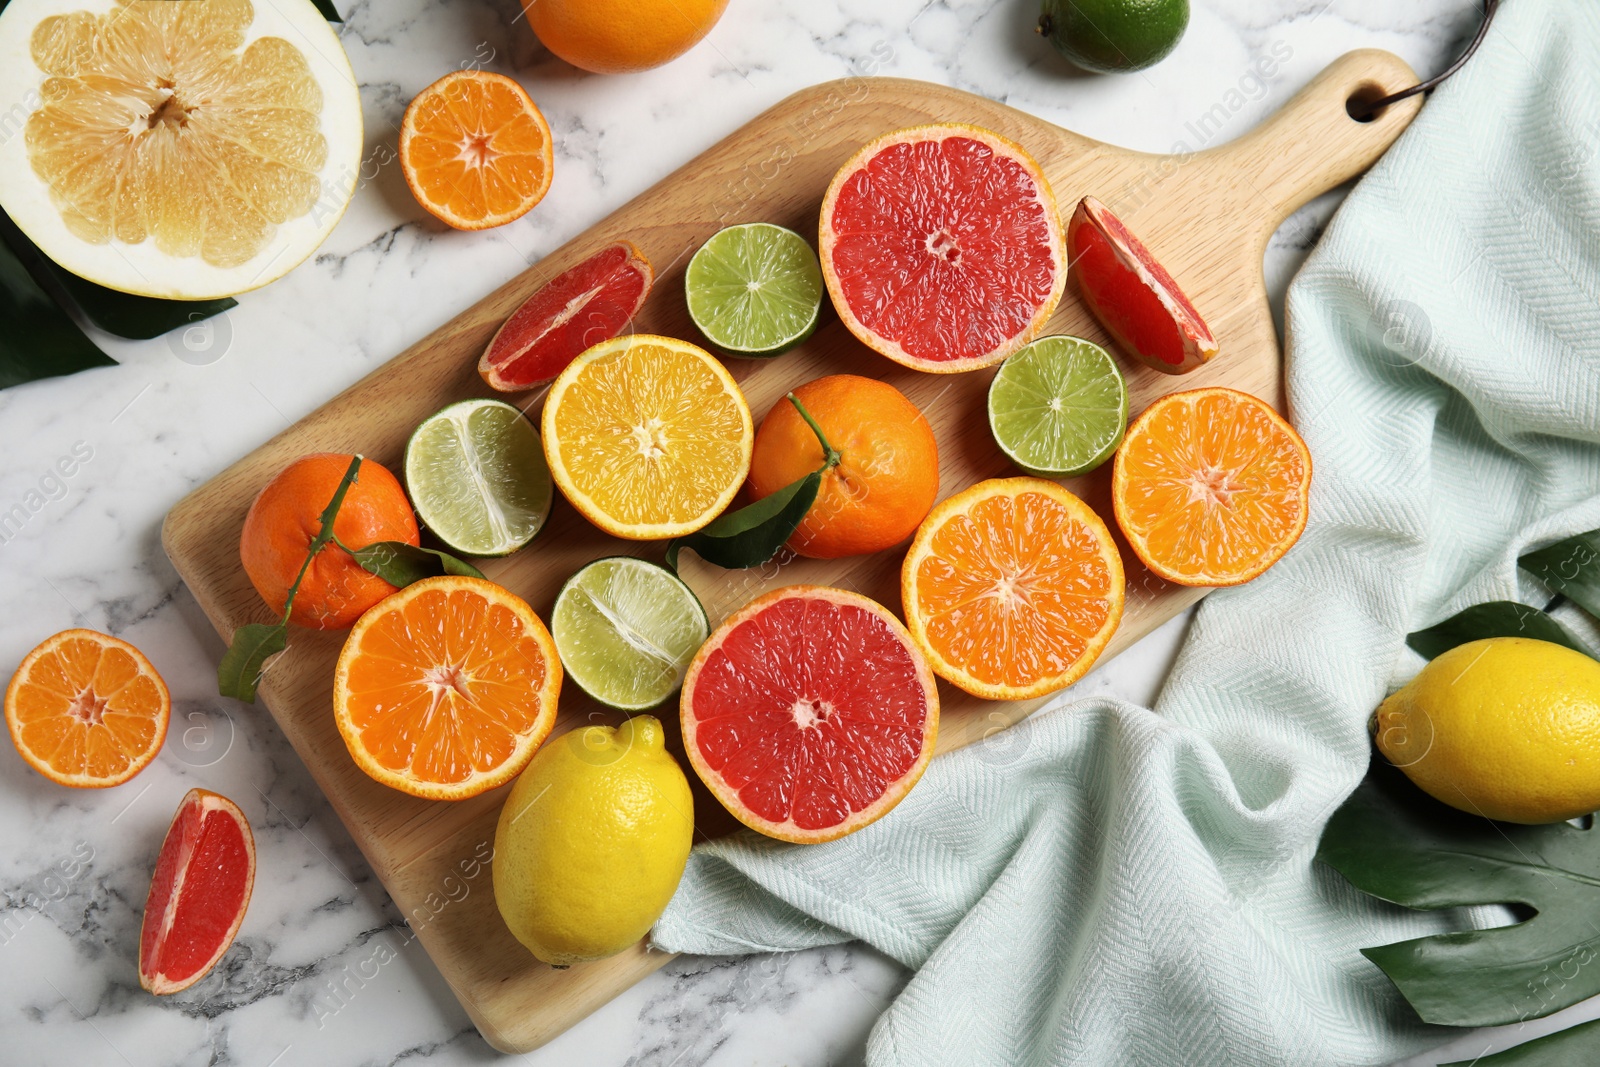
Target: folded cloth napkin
1109	884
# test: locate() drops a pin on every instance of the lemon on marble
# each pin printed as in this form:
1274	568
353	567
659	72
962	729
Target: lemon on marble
592	842
1506	727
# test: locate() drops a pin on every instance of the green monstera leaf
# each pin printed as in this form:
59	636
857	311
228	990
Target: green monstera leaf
1393	841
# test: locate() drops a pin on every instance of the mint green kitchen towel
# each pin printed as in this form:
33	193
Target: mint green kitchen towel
1114	885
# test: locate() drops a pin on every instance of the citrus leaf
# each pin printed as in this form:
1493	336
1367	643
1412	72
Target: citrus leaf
1575	1047
1571	568
1393	841
1497	618
327	10
254	643
400	563
753	534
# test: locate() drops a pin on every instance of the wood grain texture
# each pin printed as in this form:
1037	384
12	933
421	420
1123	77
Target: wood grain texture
1207	216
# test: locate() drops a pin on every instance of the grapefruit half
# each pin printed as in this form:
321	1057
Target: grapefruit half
809	713
198	893
1132	295
941	247
577	309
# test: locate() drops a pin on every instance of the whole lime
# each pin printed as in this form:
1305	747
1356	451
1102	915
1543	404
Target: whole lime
1112	36
592	842
1507	728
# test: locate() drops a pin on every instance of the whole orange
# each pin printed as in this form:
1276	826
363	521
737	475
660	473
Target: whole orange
621	36
286	516
887	477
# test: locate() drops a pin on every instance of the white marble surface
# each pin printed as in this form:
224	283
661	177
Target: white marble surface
324	971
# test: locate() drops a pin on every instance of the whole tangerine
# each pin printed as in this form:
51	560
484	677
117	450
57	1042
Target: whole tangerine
887	477
621	36
286	516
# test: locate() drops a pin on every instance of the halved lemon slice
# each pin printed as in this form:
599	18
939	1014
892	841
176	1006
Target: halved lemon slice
647	436
187	150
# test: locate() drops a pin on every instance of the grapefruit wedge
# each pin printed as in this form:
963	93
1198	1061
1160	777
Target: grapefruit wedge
198	893
809	713
1132	295
577	309
941	247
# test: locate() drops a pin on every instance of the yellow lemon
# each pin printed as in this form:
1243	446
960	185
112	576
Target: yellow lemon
592	842
1507	727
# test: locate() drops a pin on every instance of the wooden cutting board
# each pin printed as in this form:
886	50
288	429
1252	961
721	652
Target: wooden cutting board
1206	216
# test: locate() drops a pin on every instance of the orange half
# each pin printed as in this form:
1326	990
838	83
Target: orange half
447	688
476	150
86	709
1211	487
1012	588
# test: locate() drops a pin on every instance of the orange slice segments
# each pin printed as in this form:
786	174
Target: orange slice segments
88	710
447	688
476	150
1012	588
1211	487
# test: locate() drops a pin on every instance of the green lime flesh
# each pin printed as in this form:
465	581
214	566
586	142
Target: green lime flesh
477	476
626	630
755	289
1058	407
1114	36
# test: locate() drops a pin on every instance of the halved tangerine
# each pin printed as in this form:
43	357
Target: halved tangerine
447	688
577	309
1211	487
941	247
198	893
809	713
476	150
87	709
1012	588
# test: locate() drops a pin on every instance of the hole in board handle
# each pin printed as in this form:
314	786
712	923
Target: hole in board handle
1358	105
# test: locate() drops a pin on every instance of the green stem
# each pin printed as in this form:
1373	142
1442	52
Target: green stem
830	455
324	531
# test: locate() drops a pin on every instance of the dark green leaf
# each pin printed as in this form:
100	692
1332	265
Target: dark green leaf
253	644
753	534
1396	843
328	10
39	339
1571	568
123	314
400	564
1497	618
1577	1047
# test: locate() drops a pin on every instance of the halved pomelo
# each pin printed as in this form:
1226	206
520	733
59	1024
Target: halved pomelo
809	713
577	309
187	150
941	247
198	894
1132	295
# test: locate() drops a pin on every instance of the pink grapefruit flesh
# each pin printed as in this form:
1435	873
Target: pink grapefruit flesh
1132	295
577	309
198	893
941	247
809	713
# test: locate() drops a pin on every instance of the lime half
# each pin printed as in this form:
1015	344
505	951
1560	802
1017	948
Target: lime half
754	290
626	631
1058	407
477	476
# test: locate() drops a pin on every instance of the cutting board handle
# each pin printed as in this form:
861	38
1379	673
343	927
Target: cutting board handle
1311	144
